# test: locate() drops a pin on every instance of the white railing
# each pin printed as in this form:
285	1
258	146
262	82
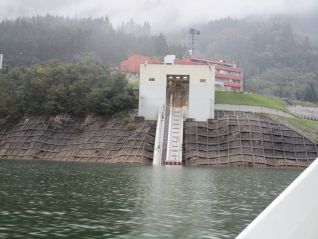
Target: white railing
157	155
169	131
293	214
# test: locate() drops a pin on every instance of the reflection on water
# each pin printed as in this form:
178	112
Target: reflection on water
74	200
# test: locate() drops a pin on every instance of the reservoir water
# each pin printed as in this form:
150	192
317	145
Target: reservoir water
84	200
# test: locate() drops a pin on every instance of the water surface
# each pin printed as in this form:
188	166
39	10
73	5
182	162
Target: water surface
83	200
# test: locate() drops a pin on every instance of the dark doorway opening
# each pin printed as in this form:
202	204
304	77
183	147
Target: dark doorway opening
177	91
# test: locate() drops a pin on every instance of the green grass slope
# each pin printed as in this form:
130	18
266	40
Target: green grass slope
226	97
308	127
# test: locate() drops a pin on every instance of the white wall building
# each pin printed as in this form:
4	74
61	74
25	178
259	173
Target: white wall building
195	85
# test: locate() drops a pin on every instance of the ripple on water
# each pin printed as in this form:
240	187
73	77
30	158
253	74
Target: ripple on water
73	200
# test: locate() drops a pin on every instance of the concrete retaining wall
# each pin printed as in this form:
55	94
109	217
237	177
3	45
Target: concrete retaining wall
252	108
304	112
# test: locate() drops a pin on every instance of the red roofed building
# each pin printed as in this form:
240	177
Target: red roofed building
227	74
131	66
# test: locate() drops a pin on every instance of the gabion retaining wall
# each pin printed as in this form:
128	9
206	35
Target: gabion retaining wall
68	139
240	139
232	139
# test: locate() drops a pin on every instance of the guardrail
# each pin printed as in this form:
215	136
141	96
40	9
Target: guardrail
157	156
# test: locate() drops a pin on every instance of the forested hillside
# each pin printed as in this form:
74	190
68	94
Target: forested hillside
27	41
275	56
278	55
54	88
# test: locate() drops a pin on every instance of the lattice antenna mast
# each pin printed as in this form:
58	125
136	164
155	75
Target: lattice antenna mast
192	40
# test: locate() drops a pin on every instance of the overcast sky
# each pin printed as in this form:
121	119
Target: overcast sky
162	14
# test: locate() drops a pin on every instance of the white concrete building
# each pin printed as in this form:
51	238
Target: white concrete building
188	86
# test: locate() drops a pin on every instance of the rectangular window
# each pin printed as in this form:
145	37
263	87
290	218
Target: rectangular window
202	80
151	79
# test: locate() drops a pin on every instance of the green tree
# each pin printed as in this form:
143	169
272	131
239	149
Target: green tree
310	93
54	88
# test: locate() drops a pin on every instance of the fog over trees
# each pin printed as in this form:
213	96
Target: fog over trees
277	59
279	55
27	41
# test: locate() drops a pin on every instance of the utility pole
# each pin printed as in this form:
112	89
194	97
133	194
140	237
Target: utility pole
293	89
1	61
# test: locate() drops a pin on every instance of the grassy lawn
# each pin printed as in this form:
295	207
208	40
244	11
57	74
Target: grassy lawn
309	127
133	85
225	97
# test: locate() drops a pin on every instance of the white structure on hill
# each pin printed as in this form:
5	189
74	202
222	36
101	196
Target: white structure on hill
190	87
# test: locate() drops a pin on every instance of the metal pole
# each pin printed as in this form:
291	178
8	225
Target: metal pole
293	89
1	61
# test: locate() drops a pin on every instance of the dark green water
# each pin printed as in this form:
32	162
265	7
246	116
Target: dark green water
74	200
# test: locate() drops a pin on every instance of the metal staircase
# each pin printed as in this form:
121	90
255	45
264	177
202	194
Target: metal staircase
175	136
169	133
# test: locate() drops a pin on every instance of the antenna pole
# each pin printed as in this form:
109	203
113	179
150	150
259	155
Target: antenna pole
193	33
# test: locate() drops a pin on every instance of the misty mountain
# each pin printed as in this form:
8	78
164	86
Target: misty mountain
278	55
131	27
264	43
306	24
163	15
28	41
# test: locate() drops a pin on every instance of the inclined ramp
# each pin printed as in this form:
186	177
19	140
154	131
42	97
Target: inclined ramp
169	133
